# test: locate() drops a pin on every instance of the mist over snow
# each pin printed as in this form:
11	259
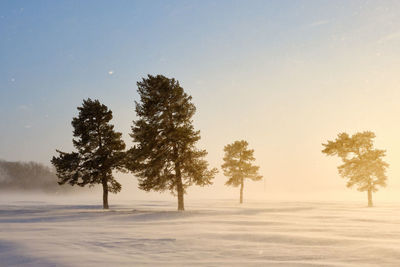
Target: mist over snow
209	233
289	78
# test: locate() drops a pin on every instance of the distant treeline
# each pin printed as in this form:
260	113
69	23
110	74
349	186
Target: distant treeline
29	176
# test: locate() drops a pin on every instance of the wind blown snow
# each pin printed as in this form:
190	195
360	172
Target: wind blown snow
209	233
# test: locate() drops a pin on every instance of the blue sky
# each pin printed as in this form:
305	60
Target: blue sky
284	75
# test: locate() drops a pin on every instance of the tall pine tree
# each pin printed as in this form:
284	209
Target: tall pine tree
238	165
362	164
100	150
164	156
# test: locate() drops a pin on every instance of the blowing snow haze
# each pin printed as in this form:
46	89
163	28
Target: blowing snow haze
283	75
199	133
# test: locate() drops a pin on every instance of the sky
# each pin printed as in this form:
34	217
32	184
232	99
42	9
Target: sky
284	75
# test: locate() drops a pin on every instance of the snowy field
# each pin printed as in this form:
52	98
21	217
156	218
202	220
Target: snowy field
210	233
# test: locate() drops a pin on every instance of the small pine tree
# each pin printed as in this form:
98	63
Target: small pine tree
164	156
362	164
100	150
238	165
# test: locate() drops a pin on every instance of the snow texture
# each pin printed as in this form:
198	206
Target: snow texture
209	233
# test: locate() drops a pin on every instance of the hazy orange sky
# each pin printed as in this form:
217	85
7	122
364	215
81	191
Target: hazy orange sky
284	75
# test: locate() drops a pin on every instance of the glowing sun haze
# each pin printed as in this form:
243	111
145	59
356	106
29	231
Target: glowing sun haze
284	75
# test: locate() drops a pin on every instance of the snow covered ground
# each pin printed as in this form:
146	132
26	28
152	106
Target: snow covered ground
209	233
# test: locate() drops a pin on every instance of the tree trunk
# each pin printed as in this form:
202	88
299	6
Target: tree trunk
370	198
105	194
181	205
241	192
179	187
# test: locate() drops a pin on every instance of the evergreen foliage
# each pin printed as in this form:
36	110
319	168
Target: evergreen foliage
164	156
238	165
100	150
362	164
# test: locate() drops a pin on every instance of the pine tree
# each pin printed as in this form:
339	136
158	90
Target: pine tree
238	165
362	164
164	156
100	150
